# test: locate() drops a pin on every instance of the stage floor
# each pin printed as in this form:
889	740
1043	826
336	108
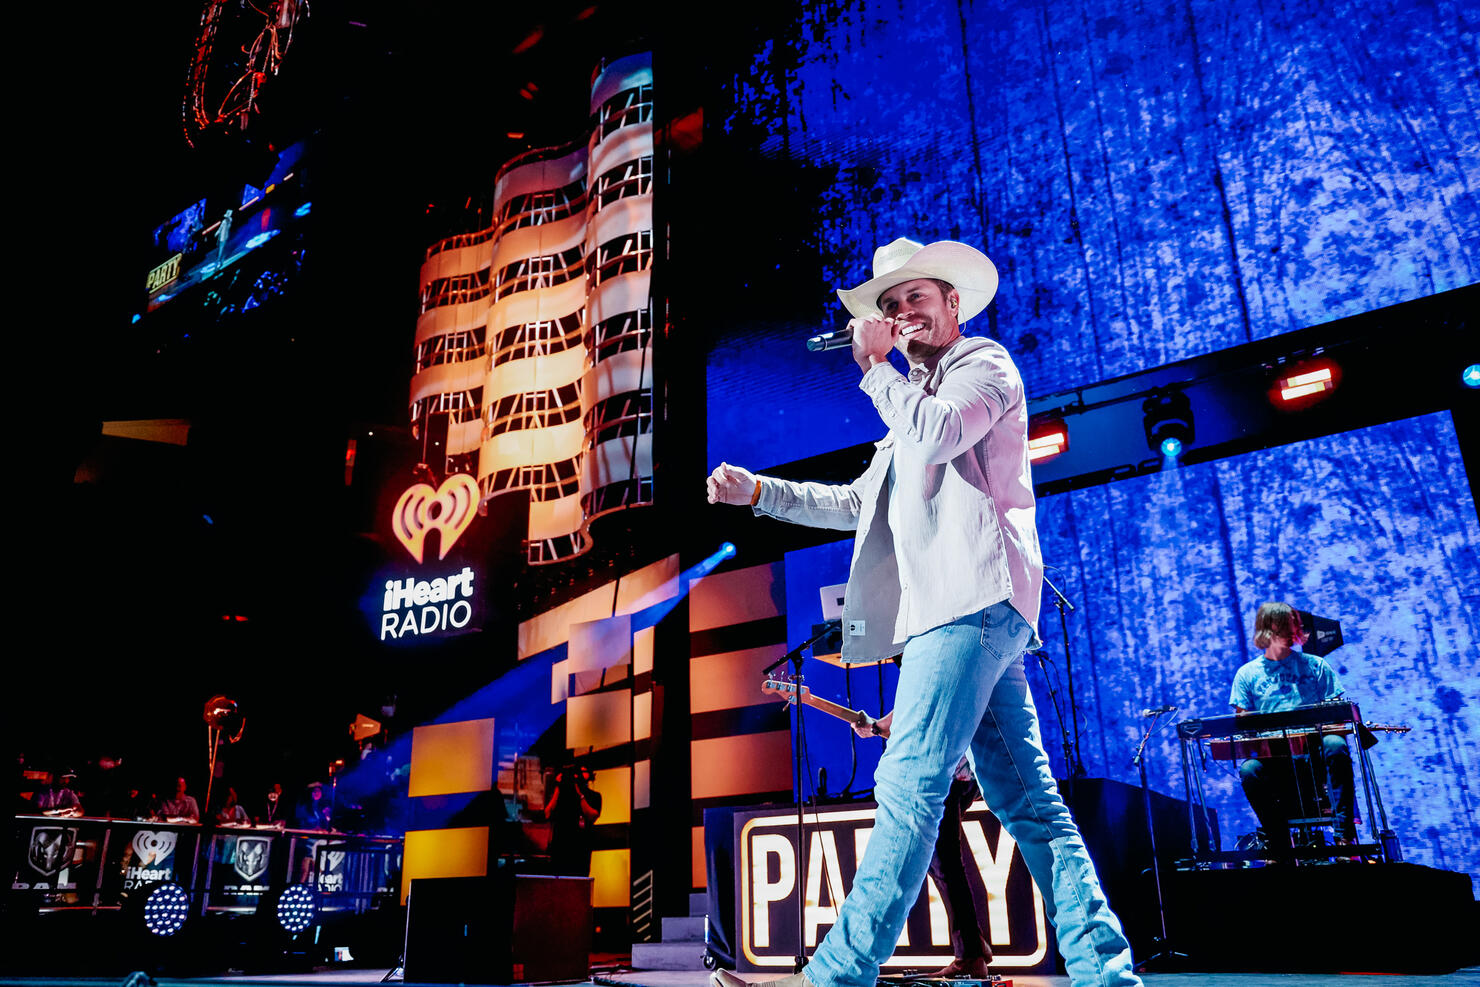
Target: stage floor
698	978
1462	978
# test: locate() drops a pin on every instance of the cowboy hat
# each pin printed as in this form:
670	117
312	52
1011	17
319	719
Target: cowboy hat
965	268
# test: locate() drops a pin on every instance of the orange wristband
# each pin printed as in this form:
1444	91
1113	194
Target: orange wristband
755	498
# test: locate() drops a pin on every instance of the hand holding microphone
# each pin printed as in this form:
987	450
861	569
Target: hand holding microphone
844	337
873	339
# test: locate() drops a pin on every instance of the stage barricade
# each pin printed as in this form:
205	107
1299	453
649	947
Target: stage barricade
88	863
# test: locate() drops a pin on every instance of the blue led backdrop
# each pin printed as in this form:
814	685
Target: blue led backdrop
1153	181
1376	528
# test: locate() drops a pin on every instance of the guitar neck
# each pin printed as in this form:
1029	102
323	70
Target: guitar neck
833	709
856	717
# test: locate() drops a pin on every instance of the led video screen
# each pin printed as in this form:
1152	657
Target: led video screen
1375	528
1153	183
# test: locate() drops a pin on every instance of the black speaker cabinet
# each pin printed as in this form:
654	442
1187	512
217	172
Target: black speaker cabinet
552	928
458	930
498	930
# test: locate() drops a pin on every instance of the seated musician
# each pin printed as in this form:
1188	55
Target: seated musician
1283	678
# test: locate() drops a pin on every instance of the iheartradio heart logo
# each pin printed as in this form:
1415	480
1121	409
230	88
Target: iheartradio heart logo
448	509
153	847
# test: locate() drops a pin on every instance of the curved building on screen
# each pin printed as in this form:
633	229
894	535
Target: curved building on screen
533	347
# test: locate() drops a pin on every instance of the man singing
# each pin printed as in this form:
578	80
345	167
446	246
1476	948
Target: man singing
946	567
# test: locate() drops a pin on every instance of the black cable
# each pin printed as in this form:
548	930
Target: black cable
847	791
1055	685
806	759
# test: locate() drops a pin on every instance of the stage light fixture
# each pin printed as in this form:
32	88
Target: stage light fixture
727	550
166	907
1047	438
1471	375
297	907
1301	385
1168	422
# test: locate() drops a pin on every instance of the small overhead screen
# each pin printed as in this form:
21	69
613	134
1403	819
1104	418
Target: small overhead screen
177	233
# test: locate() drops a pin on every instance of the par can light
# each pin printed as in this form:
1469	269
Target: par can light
297	907
166	907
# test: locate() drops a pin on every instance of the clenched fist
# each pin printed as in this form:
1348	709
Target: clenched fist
730	485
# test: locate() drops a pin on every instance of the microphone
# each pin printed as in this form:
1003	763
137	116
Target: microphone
836	340
1158	710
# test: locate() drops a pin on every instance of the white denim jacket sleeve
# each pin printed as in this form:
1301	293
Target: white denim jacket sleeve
942	425
817	505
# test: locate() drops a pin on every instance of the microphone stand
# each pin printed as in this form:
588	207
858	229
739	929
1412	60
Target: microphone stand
795	657
1058	710
795	654
1074	766
1166	951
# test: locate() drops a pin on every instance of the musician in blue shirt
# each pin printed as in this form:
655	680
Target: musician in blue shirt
1280	679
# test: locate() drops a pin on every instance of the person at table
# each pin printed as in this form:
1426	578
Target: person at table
274	812
58	798
232	813
181	807
312	812
1284	678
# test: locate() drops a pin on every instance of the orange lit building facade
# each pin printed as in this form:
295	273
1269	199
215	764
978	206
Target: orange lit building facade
533	347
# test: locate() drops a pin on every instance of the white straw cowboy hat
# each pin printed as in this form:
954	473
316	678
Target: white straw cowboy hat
965	268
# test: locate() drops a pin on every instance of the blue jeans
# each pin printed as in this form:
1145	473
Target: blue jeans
962	685
1282	788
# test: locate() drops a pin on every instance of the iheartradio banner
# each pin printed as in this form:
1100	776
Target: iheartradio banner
767	866
427	592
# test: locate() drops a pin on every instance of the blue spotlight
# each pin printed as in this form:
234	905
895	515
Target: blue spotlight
1471	376
1167	414
725	551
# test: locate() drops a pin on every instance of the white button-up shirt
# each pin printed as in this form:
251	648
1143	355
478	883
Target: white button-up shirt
944	514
